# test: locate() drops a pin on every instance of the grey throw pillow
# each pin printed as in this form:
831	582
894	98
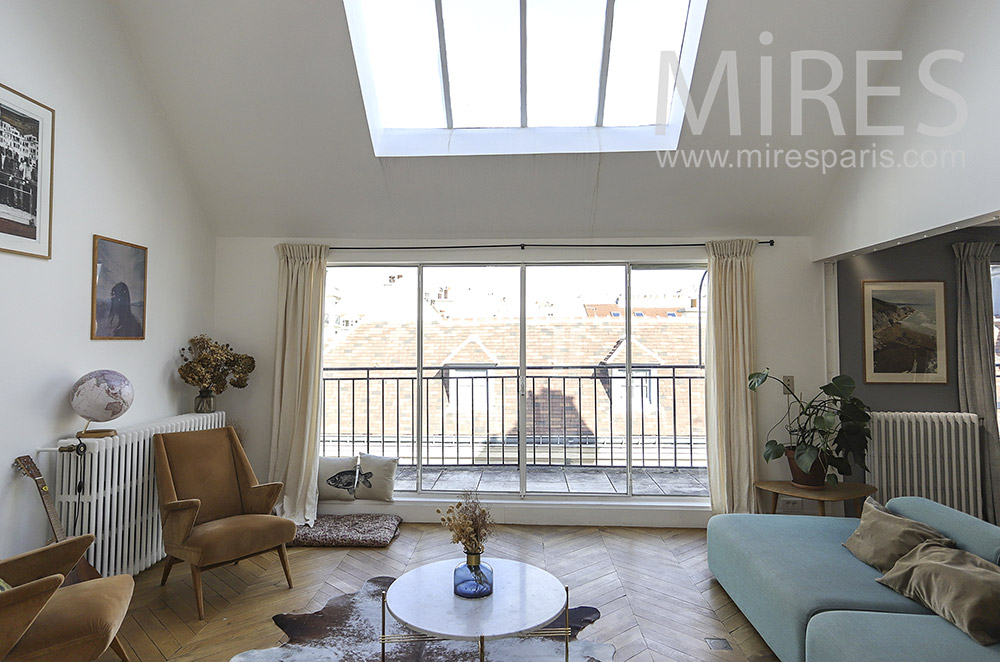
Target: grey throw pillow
956	585
377	477
338	478
882	537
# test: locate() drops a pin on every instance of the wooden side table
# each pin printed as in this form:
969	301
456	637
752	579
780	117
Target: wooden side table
856	492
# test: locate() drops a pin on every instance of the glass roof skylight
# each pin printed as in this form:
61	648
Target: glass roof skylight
565	44
518	76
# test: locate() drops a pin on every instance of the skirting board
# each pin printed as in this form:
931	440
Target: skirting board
682	512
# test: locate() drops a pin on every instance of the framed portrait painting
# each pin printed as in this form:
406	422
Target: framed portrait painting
118	303
904	332
26	151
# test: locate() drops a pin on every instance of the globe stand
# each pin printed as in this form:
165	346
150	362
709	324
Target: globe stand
87	433
95	434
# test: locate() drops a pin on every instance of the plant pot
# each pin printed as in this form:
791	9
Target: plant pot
814	480
204	402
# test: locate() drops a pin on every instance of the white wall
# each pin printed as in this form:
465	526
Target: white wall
869	207
790	328
115	175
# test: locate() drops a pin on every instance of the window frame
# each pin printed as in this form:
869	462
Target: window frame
631	394
449	141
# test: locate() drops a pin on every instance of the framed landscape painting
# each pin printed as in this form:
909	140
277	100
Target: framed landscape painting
118	304
904	332
26	150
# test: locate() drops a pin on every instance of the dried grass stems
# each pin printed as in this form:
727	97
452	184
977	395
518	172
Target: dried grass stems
469	521
211	366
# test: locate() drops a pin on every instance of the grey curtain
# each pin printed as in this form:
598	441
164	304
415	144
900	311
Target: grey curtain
298	362
977	392
732	435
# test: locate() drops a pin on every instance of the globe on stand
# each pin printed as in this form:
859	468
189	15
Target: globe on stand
100	396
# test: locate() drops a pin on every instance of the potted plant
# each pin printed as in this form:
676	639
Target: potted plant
826	433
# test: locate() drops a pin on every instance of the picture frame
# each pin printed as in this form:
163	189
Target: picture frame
904	332
27	151
118	299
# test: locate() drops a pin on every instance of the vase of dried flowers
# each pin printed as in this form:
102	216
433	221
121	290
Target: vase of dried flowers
211	367
204	402
470	524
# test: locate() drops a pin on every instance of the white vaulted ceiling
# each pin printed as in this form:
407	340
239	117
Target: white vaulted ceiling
263	100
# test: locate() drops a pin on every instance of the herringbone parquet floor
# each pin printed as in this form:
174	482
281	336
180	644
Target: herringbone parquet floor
658	600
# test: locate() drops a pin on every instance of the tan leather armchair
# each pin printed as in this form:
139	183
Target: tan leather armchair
212	508
40	621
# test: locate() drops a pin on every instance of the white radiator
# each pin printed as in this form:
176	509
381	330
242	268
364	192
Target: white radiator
927	454
118	501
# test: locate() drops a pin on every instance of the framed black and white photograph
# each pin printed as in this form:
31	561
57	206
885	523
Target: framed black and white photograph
118	305
904	332
26	151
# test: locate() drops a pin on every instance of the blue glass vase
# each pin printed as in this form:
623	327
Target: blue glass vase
473	579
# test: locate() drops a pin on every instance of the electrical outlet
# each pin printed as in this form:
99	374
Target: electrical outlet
789	382
790	504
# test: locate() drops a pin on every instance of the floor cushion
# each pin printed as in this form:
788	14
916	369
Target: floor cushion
355	530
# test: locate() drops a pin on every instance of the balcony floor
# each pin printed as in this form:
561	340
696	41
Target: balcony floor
646	481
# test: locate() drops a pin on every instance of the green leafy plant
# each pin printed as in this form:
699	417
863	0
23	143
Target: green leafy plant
832	427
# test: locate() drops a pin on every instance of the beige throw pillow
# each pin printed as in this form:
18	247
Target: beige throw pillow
882	537
956	585
377	477
338	478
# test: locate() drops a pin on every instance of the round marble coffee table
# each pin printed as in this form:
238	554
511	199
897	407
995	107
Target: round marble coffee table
524	599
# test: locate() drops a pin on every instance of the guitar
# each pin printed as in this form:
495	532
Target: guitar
84	570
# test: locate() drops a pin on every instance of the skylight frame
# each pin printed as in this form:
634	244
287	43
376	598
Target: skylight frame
401	142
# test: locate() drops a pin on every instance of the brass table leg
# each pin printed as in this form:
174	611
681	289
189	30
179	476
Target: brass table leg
383	626
566	636
482	649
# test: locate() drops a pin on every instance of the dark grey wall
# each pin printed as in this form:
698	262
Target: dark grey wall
927	259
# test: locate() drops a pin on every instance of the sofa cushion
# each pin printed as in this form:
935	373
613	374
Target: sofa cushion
235	537
883	537
862	636
780	570
77	623
971	534
953	583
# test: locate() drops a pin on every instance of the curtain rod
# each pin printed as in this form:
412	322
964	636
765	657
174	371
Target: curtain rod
768	242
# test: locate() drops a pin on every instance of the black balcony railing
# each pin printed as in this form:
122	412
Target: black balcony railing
575	415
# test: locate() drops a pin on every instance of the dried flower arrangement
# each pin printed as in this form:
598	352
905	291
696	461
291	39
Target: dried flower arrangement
469	521
211	366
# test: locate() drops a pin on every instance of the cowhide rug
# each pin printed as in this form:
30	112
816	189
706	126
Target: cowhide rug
347	630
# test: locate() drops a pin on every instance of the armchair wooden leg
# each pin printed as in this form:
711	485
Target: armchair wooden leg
166	569
116	646
283	555
198	597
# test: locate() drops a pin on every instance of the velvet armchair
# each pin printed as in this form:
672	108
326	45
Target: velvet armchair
41	621
212	508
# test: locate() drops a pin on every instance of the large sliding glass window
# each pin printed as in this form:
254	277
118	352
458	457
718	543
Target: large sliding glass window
522	378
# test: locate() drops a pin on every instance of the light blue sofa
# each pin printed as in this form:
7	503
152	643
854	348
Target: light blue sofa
813	601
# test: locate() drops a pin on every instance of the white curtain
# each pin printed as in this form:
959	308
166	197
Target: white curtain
297	366
732	442
977	391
